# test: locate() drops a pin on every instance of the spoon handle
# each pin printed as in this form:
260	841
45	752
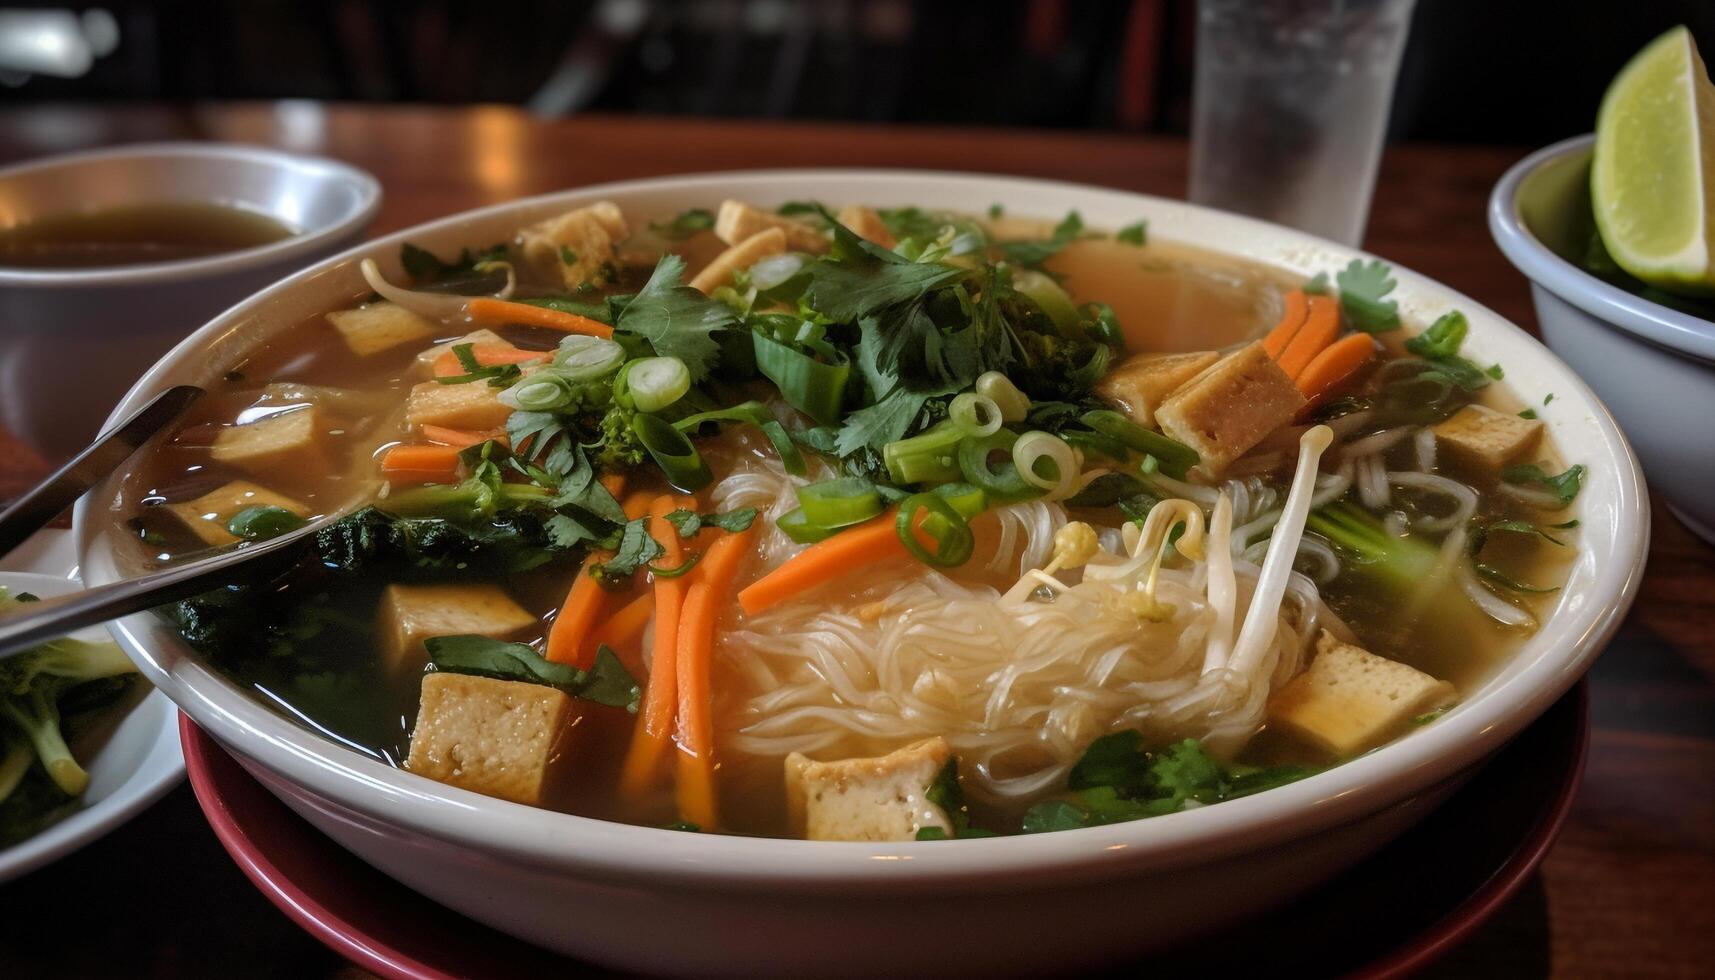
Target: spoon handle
39	622
45	501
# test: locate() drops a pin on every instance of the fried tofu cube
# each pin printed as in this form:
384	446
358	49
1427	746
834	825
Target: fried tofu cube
737	221
1139	384
494	737
745	254
1232	405
473	405
866	222
577	247
1485	438
290	438
883	798
207	515
429	355
411	614
375	327
1350	700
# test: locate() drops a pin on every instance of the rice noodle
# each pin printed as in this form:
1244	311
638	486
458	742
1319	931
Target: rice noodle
1378	442
1424	443
1020	688
1492	605
1371	480
1464	498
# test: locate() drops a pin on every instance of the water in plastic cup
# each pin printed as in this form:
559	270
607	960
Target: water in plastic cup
1290	108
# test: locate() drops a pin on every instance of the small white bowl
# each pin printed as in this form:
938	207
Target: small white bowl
139	762
112	322
669	902
1654	366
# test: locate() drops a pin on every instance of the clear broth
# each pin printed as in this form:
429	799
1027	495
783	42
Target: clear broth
137	234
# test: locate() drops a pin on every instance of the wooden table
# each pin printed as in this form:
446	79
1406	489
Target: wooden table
1630	888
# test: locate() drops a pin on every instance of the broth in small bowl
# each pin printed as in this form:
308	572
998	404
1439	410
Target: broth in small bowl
1136	712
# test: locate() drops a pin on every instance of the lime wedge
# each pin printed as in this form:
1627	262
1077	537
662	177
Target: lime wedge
1653	178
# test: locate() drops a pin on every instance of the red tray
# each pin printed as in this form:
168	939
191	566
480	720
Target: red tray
1393	915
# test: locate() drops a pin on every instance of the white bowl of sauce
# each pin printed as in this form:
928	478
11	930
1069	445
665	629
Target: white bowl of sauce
109	258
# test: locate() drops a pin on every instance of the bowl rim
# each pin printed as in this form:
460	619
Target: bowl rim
367	793
307	242
1614	306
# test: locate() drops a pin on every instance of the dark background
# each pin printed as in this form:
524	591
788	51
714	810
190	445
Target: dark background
1494	71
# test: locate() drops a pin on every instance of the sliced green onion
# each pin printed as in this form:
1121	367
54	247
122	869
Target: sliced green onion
1175	457
974	414
582	358
839	503
774	270
1035	448
1149	465
542	391
259	523
952	536
812	387
998	479
928	457
1014	404
756	414
677	570
653	383
968	500
800	529
1042	290
672	452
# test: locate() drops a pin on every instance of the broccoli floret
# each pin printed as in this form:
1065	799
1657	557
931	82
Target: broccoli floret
620	447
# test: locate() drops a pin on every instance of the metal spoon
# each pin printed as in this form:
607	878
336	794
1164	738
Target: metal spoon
53	618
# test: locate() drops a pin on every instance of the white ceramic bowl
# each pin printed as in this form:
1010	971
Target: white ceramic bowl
1654	366
114	322
138	763
673	902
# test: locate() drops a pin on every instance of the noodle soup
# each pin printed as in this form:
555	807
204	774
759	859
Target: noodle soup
875	525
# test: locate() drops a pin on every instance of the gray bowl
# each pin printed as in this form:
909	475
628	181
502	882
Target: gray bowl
73	340
1653	365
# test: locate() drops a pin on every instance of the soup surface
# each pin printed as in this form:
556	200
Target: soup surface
908	524
136	234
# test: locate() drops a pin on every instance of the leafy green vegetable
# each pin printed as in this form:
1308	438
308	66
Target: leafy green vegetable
568	256
1480	534
945	792
1136	233
1495	371
1506	581
1115	760
1033	253
677	320
259	523
1316	285
637	547
1442	339
1566	525
422	265
858	278
689	522
606	682
1528	413
1363	295
1403	563
1564	486
684	224
1427	716
996	210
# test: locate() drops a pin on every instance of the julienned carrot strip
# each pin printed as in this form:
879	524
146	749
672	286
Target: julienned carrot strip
710	591
614	483
461	438
448	365
624	625
489	310
825	561
1321	326
1339	361
660	695
1297	305
421	464
584	603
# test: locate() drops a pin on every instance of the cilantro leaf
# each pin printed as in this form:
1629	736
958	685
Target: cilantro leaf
676	319
1136	233
606	682
1112	760
637	547
419	263
689	522
1495	371
877	425
1564	486
1363	295
860	282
